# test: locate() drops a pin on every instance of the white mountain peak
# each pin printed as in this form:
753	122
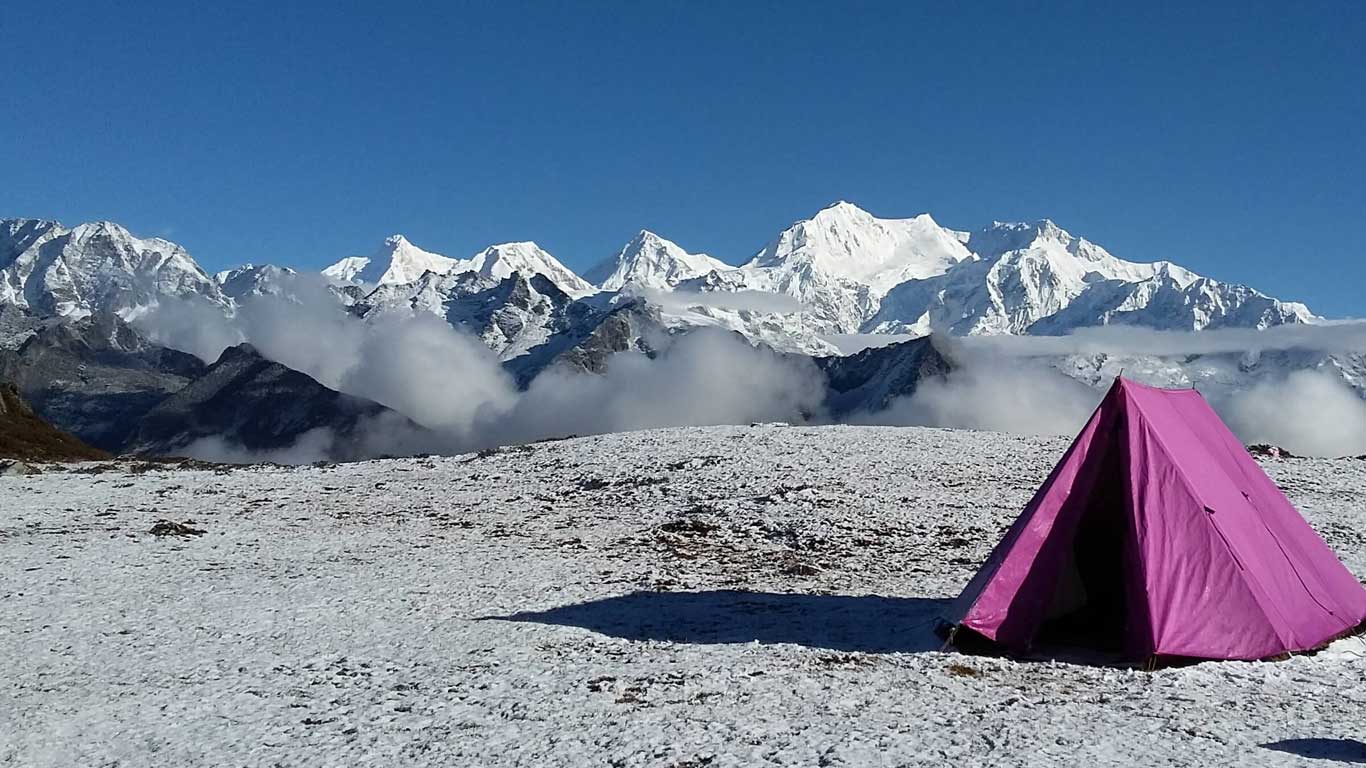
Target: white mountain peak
651	261
1037	278
840	262
397	261
848	271
94	266
845	241
526	258
253	280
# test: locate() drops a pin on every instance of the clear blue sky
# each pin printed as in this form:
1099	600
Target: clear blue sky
1230	139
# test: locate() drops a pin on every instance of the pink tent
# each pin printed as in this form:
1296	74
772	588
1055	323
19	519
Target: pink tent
1157	535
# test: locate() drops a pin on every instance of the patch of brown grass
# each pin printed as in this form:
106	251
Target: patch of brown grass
963	670
26	437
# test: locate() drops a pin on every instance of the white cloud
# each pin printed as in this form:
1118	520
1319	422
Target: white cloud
1307	412
451	384
455	387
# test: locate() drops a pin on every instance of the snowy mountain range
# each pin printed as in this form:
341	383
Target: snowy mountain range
841	262
1039	279
399	262
841	272
849	272
839	289
56	271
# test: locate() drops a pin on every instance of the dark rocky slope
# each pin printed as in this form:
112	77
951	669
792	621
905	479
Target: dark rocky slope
26	437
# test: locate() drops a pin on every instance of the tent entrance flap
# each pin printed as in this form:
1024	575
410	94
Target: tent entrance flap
1090	603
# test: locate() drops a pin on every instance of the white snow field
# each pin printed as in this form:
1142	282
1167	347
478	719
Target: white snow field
688	597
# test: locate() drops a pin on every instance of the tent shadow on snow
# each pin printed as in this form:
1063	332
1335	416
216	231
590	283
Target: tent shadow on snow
866	623
1340	750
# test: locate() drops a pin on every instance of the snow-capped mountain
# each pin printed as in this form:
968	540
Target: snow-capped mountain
843	271
527	258
511	316
399	262
63	291
396	262
1039	279
254	280
650	261
57	271
840	263
847	242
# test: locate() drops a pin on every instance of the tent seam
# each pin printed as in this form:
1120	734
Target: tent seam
1209	520
1242	471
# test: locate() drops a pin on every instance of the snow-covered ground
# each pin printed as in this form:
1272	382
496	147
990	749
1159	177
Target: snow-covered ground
689	597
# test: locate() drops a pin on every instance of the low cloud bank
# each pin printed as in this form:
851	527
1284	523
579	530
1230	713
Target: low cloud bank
313	445
1307	412
1013	384
1343	336
1030	401
703	378
452	385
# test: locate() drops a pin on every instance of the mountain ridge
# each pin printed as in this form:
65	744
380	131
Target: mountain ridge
842	271
653	262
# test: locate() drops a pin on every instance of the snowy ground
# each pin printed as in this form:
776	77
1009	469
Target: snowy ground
695	597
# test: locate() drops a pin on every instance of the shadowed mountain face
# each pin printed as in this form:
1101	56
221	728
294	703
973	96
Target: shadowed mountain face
871	379
17	325
510	316
25	436
590	339
96	377
249	401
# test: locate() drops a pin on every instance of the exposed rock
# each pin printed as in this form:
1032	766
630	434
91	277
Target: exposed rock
172	528
96	377
1270	451
260	405
17	469
593	336
17	325
871	379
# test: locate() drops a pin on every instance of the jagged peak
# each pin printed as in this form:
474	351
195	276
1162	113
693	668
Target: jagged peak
1002	237
102	227
841	209
500	259
645	237
515	252
515	245
843	212
240	351
842	205
1038	226
397	243
651	261
19	222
